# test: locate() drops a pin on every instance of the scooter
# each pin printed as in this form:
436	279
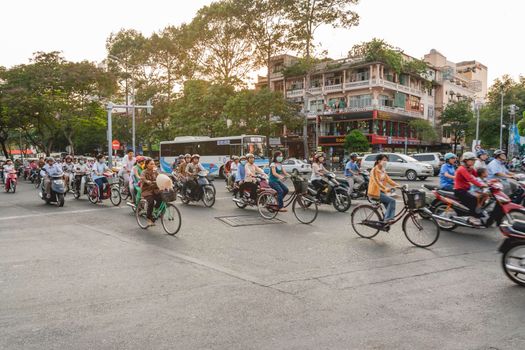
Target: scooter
10	182
333	193
513	249
205	191
361	190
79	187
58	191
450	213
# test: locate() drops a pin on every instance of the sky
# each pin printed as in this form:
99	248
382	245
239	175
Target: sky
490	32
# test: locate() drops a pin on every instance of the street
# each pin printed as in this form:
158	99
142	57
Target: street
87	277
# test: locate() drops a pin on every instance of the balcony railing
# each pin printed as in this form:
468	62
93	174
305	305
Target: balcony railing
332	88
401	111
315	90
356	84
295	93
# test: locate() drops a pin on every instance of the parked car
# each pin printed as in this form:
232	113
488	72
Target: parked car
296	166
434	159
400	165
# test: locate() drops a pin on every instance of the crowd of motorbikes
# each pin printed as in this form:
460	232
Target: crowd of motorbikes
506	210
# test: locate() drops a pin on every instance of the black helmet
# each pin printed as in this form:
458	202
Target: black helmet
354	155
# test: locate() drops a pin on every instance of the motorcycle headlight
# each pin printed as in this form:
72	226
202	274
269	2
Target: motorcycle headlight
58	182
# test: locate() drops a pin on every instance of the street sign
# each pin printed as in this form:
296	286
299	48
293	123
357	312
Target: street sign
115	145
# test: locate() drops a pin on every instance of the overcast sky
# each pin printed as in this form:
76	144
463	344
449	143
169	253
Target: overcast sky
488	31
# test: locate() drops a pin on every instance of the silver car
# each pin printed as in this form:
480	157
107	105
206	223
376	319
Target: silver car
434	159
296	166
400	165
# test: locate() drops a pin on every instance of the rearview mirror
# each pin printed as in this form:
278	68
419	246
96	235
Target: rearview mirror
400	161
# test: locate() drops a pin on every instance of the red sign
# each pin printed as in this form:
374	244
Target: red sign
115	145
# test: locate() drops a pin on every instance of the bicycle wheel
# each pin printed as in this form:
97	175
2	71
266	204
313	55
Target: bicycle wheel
305	209
93	193
419	231
115	197
362	214
124	190
171	219
267	205
140	214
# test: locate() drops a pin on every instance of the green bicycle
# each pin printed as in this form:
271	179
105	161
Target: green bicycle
168	213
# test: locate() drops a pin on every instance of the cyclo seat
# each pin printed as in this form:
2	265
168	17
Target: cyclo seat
519	225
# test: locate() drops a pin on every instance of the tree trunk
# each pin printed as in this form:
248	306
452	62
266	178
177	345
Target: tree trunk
4	148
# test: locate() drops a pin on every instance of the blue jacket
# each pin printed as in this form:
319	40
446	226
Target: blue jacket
241	173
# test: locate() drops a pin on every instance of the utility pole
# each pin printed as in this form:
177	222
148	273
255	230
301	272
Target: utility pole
477	105
501	123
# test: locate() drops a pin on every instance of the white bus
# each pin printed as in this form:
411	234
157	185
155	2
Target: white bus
214	151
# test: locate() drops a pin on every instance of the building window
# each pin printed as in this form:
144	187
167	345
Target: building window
385	100
360	101
316	106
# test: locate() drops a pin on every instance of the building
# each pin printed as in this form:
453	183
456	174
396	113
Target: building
342	95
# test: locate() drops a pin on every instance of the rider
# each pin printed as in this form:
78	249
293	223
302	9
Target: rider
135	177
99	168
352	171
277	175
380	186
51	169
68	168
498	170
150	190
192	169
448	172
80	169
481	162
241	173
318	170
465	177
9	167
234	166
250	180
127	167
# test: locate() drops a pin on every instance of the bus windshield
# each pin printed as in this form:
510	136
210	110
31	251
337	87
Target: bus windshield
256	146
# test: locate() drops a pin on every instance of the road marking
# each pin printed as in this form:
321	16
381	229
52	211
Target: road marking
56	213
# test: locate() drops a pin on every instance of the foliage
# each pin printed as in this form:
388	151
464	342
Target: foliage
356	141
377	50
424	130
307	16
457	117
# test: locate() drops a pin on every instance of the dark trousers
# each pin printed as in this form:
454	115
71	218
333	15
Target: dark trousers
78	180
282	191
250	186
468	200
153	201
100	183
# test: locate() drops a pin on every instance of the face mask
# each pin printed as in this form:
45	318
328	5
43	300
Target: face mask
81	162
279	159
384	163
243	162
101	161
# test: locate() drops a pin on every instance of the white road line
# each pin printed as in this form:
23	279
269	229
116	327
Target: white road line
56	213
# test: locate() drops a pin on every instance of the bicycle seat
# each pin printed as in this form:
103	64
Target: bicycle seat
447	194
519	225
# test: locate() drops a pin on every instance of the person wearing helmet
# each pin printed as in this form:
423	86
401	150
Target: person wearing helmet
465	177
192	169
183	164
234	166
481	162
51	169
80	170
68	168
352	171
447	173
250	179
241	170
498	170
99	168
318	170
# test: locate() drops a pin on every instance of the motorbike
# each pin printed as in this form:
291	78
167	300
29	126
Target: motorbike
361	190
333	193
451	213
79	186
10	181
27	172
58	191
266	201
513	250
205	191
110	191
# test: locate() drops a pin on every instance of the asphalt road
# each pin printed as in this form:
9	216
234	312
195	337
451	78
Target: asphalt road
87	277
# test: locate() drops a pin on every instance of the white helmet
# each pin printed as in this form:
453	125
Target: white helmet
468	156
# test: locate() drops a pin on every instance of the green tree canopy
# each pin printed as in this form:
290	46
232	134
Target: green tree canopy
457	117
356	141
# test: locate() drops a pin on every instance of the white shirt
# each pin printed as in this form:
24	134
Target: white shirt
316	171
127	164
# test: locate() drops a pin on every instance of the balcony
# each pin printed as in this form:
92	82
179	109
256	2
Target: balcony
400	111
315	90
333	88
295	93
397	87
355	85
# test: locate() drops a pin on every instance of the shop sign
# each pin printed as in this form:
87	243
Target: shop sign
331	140
275	141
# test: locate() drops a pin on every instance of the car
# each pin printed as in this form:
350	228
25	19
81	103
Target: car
400	165
296	166
434	159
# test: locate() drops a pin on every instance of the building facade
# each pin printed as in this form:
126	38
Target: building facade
342	95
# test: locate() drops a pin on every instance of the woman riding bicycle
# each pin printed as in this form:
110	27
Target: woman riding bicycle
277	175
150	190
380	187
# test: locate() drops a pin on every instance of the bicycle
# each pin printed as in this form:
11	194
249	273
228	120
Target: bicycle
421	230
304	206
168	213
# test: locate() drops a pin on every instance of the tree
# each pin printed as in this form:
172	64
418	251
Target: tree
228	54
308	15
424	130
457	117
356	141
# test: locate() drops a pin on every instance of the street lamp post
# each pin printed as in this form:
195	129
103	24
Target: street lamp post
110	106
501	123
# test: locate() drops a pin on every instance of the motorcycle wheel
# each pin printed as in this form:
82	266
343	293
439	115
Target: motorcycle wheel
239	205
13	187
115	197
208	196
76	194
60	199
93	194
443	210
512	260
341	200
37	184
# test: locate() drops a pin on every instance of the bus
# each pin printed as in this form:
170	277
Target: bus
214	151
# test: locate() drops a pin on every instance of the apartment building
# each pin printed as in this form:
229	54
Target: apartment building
347	94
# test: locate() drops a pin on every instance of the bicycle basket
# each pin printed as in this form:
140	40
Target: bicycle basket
415	199
301	186
168	196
